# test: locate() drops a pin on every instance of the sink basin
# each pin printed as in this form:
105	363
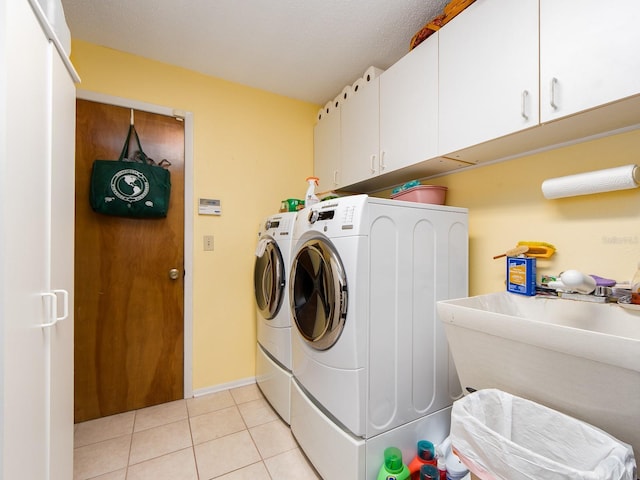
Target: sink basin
579	358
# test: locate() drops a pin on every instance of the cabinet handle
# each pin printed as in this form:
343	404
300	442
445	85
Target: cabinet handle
335	177
53	307
65	305
554	82
373	163
382	165
523	109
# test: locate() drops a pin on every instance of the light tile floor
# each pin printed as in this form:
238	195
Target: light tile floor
229	435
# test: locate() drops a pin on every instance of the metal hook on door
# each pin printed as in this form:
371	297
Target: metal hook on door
132	116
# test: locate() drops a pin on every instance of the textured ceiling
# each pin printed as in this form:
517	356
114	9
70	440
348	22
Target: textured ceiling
304	49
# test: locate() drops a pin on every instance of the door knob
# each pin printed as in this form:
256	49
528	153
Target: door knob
174	273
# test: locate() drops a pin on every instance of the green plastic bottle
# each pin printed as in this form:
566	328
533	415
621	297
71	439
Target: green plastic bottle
393	468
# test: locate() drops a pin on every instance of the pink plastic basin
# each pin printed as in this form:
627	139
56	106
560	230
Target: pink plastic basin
423	194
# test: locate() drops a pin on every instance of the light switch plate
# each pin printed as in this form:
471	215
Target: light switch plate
208	242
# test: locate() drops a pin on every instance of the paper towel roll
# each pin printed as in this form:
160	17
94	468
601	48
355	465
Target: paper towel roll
371	73
610	179
357	86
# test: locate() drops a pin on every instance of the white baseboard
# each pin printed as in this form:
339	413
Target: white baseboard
224	386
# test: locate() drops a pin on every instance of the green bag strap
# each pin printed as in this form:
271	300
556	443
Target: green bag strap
125	148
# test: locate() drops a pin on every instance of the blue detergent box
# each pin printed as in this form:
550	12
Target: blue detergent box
521	275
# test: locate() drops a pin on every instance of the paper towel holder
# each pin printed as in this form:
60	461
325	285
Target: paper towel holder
598	181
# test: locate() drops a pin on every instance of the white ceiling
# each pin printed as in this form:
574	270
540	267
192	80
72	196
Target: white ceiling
304	49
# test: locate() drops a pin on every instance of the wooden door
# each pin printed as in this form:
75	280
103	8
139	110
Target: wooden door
129	337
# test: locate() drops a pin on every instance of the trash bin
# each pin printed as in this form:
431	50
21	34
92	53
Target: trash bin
499	436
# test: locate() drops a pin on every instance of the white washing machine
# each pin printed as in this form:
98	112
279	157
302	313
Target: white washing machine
273	349
371	362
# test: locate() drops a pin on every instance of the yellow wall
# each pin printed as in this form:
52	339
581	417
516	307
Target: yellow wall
598	234
251	150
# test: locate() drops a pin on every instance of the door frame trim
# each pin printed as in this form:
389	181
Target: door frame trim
188	213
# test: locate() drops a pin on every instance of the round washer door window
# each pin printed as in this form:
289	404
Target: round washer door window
269	280
318	293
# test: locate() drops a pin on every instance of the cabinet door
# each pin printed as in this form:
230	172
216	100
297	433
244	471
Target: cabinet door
24	237
588	54
488	70
409	108
326	151
62	226
360	134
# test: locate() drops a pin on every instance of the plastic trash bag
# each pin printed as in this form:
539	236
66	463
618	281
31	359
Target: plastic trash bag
499	436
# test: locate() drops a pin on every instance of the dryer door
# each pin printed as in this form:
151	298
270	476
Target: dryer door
318	293
269	279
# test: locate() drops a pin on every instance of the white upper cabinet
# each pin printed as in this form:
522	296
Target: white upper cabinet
588	54
409	108
360	139
326	150
488	70
482	87
392	121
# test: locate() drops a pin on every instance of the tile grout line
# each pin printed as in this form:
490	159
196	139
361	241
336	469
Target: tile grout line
133	429
249	430
249	433
193	445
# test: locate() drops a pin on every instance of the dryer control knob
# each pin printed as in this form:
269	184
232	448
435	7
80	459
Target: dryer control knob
267	225
313	216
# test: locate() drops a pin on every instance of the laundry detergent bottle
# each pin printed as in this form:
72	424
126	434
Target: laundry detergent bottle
310	198
393	468
429	472
426	456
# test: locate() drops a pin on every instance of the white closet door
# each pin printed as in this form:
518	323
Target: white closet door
24	200
62	205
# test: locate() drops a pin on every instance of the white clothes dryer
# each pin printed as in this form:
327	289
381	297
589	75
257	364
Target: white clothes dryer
371	362
273	349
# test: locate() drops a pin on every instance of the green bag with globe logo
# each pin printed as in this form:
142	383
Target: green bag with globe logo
131	187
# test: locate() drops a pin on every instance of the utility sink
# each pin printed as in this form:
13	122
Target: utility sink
579	358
